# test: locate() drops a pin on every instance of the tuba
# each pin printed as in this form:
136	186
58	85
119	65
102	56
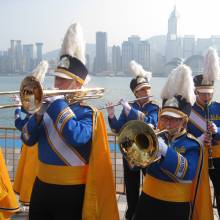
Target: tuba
138	143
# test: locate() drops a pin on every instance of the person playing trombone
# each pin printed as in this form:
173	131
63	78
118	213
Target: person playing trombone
168	190
143	109
207	129
74	158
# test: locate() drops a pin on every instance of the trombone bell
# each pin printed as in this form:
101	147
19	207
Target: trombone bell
138	143
31	94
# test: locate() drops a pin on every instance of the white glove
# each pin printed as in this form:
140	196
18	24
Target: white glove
201	138
110	110
126	106
15	99
51	99
214	128
162	146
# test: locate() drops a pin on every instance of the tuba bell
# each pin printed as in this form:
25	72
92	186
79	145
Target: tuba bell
138	143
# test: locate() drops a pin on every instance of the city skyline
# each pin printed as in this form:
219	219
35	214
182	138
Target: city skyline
46	21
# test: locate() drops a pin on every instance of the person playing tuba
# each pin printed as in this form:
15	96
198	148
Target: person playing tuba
168	190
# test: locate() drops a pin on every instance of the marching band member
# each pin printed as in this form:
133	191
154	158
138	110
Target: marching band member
74	179
201	128
170	184
8	201
145	110
27	165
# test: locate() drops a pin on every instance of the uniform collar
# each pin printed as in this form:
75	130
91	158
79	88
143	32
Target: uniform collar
178	135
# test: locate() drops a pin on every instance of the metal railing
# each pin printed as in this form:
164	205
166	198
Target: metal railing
10	144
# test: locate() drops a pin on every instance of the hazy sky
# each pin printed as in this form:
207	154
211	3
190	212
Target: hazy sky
47	20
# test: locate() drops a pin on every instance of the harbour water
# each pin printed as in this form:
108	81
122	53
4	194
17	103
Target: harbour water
115	89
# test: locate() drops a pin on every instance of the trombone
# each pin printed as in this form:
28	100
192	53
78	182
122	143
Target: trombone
32	94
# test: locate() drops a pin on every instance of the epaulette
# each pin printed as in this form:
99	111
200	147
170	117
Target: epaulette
89	106
190	136
154	102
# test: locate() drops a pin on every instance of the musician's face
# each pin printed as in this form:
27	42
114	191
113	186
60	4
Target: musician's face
64	84
171	123
204	98
144	91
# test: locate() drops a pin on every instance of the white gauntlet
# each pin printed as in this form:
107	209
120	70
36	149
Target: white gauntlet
162	146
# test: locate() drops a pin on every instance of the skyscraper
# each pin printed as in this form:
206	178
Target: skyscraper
116	59
39	47
173	47
101	52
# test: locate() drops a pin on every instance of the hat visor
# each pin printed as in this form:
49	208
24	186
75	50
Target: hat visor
205	90
62	75
171	114
147	85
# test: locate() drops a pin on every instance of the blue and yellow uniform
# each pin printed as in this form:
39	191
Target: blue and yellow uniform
197	126
147	113
66	136
28	162
168	183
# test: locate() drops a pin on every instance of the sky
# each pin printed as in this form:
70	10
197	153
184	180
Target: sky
47	20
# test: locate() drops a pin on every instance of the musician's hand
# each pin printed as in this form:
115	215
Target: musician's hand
15	99
110	109
212	128
126	106
162	146
205	138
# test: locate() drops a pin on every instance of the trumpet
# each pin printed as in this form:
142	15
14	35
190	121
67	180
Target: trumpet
32	94
138	143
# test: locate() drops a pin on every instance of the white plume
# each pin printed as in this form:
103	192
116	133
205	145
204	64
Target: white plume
180	82
73	43
40	71
211	70
138	70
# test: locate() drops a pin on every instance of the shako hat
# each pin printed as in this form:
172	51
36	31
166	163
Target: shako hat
71	64
142	77
204	83
178	93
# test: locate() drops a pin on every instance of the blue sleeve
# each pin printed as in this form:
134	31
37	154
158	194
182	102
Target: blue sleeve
74	131
180	166
116	124
150	118
30	131
19	122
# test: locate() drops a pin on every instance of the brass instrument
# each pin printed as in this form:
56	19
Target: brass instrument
208	121
32	94
138	143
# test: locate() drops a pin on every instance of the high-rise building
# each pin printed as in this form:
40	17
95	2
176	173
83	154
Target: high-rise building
28	56
144	54
134	40
188	46
101	52
116	59
39	47
127	55
173	47
12	56
18	54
